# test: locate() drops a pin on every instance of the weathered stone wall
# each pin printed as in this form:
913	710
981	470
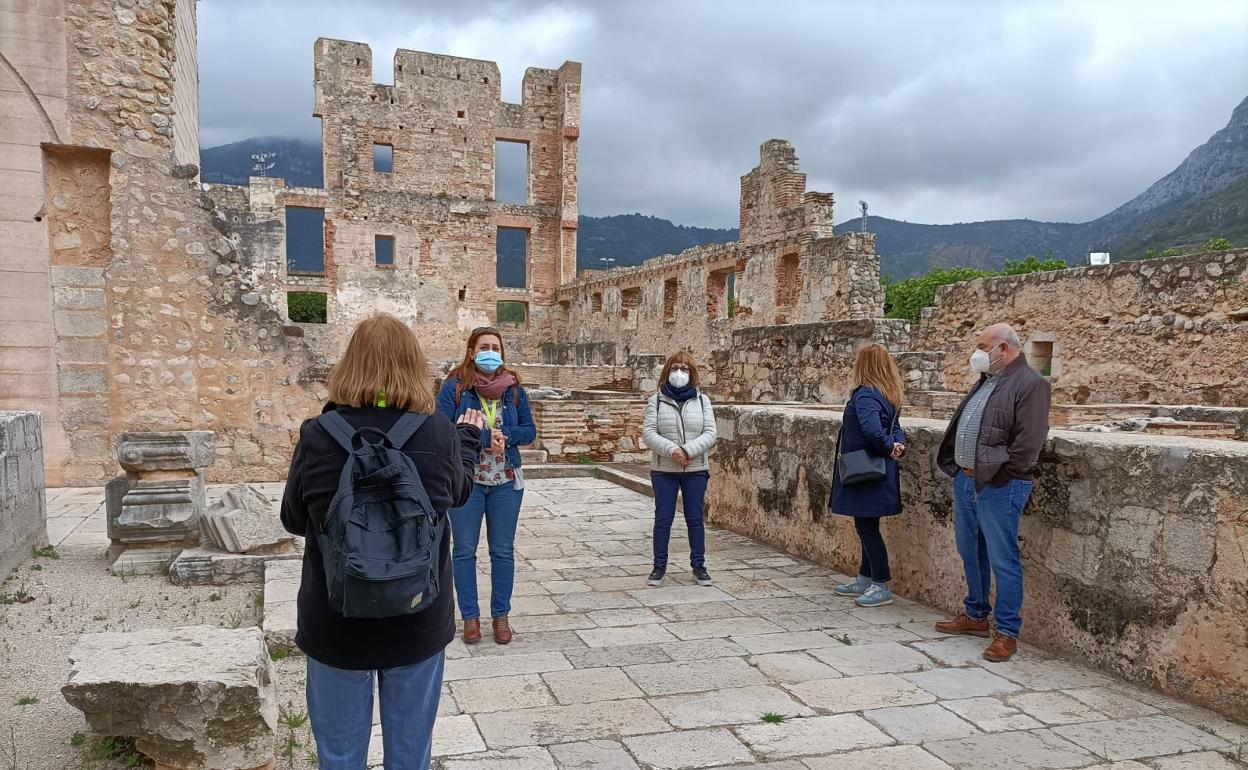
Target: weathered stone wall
441	118
576	377
804	362
23	512
601	430
33	111
1135	548
787	268
157	326
1167	331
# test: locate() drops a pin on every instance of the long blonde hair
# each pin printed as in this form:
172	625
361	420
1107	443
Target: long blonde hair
383	361
875	367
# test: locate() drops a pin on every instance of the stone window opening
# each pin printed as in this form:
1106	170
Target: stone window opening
307	307
305	240
463	293
512	258
720	299
670	288
511	171
630	300
459	113
1044	353
383	250
595	302
512	313
788	280
383	158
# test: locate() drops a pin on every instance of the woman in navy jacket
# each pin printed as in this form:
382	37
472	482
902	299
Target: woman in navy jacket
482	382
870	423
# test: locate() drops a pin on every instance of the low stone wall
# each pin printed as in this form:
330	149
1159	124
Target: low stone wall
1165	331
23	514
595	430
808	362
577	377
1135	548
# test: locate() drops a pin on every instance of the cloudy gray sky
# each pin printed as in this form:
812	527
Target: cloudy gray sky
931	111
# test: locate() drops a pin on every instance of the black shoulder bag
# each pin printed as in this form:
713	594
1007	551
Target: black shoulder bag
860	466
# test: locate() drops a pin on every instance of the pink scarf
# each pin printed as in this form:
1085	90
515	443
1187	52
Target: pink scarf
493	387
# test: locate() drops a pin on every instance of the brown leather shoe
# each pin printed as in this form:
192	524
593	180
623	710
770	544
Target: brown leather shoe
472	630
964	626
502	630
1001	649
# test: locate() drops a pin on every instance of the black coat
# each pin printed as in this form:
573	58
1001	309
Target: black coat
446	457
866	425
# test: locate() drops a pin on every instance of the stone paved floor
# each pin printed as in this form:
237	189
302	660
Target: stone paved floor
608	673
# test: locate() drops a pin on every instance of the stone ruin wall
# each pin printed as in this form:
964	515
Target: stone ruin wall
1166	331
787	268
442	117
1135	548
23	519
150	327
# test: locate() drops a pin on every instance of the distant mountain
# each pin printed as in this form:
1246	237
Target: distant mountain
1205	196
298	161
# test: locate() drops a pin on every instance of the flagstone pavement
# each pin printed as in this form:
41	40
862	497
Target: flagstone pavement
768	668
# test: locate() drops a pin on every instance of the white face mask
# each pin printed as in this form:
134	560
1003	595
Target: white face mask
678	379
980	362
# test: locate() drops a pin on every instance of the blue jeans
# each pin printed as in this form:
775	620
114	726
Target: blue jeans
340	705
692	489
500	508
986	524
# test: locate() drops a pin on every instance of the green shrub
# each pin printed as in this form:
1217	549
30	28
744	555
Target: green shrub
306	307
905	299
1218	244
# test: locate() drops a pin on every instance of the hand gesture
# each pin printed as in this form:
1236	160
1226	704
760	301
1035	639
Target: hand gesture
473	417
898	451
498	442
682	457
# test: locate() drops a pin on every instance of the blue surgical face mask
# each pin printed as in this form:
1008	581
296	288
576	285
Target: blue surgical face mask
488	361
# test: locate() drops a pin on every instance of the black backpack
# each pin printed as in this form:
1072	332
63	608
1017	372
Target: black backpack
380	537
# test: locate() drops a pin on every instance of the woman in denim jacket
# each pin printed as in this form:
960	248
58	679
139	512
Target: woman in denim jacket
483	382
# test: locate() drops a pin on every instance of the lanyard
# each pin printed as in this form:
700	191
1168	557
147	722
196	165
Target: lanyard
490	407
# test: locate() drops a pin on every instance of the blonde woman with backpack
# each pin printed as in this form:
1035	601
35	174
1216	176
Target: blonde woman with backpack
379	392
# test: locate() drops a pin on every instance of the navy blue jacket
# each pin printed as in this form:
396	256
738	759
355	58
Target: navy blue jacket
517	416
866	423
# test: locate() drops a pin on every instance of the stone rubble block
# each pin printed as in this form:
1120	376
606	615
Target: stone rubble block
244	520
193	697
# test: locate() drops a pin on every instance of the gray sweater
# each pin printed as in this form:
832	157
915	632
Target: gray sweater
669	426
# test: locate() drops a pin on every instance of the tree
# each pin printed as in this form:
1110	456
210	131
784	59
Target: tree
1218	244
1033	265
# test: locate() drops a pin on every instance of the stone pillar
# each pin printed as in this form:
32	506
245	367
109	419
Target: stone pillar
154	510
23	515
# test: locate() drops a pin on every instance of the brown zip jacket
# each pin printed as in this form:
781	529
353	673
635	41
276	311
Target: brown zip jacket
1013	431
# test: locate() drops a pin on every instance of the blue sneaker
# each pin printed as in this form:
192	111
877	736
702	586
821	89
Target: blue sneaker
875	596
855	587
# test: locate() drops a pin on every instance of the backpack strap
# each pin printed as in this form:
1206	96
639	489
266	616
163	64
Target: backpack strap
337	427
406	426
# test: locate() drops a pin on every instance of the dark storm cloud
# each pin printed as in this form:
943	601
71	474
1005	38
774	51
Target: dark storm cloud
935	112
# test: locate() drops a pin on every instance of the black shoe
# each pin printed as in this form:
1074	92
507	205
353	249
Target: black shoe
702	576
656	576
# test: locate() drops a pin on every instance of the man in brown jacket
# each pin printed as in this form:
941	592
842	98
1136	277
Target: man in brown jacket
990	450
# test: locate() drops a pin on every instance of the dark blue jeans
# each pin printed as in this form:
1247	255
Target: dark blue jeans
874	552
340	704
499	507
692	489
986	526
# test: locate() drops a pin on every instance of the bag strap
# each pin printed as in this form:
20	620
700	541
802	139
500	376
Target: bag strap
338	428
406	427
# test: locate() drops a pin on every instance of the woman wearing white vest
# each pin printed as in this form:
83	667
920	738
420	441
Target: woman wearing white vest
680	431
